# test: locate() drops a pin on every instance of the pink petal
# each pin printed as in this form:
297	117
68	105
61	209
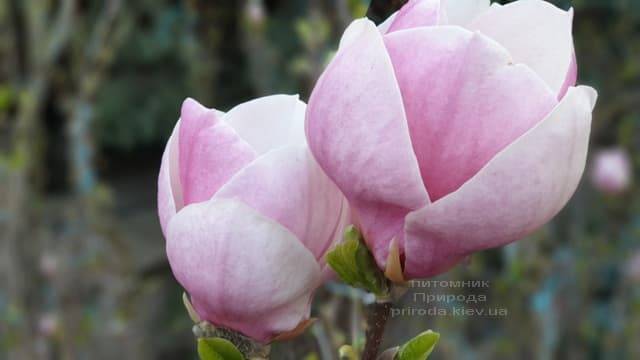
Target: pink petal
242	270
519	190
462	12
357	131
195	117
210	152
572	77
287	185
464	100
386	25
536	33
169	189
416	13
269	122
358	29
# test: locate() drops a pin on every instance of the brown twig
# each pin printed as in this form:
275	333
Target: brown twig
376	321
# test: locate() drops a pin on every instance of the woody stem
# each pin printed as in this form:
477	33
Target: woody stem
376	321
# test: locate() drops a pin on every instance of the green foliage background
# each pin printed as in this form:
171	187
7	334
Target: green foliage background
82	129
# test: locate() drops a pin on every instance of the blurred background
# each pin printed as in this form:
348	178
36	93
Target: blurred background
89	93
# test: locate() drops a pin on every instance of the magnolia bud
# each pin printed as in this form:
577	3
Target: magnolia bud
49	265
633	268
48	324
611	170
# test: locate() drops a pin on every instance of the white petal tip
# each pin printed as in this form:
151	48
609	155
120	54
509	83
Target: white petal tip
591	94
355	30
191	105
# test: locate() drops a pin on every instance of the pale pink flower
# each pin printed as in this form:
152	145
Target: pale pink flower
248	214
611	170
454	126
48	324
633	267
49	265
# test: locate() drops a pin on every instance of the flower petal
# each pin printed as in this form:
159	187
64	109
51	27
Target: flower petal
462	12
242	270
352	112
356	30
210	152
385	25
269	122
519	190
169	189
536	33
459	87
288	186
416	13
572	77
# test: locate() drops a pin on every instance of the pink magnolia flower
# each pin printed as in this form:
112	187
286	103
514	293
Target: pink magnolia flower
255	12
452	127
611	171
48	324
247	214
49	265
633	267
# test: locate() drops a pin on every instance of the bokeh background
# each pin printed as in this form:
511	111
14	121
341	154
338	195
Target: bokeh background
89	93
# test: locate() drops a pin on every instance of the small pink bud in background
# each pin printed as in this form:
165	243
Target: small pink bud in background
611	170
633	268
49	265
255	11
48	324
